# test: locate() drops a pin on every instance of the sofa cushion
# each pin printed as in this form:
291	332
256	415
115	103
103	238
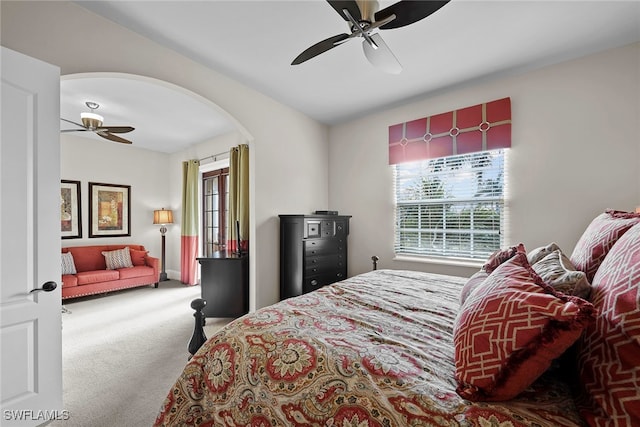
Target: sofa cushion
557	271
137	257
135	271
599	237
68	266
510	329
87	277
120	258
609	350
69	280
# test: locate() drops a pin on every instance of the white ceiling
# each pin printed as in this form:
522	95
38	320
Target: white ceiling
255	41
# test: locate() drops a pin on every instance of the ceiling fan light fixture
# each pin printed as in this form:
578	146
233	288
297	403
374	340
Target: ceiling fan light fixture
91	120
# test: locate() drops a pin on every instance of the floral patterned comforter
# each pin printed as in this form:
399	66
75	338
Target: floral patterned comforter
372	350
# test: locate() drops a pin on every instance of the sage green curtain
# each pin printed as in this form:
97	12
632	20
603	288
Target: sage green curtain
238	198
190	223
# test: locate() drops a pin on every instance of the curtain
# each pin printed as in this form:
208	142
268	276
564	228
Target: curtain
189	234
481	127
238	217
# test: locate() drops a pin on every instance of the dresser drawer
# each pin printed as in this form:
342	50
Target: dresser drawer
314	247
314	265
311	283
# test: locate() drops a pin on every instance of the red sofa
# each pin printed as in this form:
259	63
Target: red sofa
92	276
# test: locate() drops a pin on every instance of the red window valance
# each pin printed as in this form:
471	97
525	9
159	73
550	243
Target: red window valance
481	127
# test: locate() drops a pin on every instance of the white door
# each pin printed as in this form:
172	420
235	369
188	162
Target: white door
30	331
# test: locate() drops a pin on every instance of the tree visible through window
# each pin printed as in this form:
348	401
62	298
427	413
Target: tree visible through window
451	206
215	201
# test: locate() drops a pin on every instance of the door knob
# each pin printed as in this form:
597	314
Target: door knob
47	287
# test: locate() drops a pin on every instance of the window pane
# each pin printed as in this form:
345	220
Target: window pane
451	206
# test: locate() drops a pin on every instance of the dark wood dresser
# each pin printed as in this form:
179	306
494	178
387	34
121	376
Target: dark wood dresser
224	284
313	252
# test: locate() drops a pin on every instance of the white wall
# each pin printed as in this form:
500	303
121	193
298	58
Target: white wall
289	149
87	160
575	152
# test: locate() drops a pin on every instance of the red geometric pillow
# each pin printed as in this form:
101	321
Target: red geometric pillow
472	283
500	256
510	329
609	351
599	237
137	256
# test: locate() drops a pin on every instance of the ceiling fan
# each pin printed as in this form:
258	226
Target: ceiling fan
363	18
93	122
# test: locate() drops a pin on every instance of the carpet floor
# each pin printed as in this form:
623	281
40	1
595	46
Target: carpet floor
122	352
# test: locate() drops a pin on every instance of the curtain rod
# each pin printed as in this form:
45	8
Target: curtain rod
214	156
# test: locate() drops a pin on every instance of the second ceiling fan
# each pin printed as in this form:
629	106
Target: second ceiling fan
363	18
94	123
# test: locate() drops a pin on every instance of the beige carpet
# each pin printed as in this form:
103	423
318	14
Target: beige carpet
123	351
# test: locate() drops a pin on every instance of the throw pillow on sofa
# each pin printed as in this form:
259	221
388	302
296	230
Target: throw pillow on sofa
68	266
120	258
137	257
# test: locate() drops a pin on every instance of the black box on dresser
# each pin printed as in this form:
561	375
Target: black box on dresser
313	252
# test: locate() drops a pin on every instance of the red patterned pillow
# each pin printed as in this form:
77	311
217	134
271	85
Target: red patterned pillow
137	257
599	237
473	282
609	350
510	329
500	256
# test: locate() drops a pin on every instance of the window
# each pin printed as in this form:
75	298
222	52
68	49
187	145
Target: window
451	206
215	201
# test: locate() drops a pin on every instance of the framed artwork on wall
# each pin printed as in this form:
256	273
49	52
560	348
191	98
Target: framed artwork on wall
70	210
109	210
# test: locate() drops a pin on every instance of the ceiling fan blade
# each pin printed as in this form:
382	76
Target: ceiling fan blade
73	130
115	129
351	6
320	47
74	123
407	12
381	57
111	137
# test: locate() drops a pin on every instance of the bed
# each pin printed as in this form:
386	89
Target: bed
390	348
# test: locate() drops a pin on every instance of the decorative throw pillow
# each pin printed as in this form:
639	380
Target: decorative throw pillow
500	256
471	284
510	329
538	253
120	258
68	266
137	257
609	351
557	271
599	237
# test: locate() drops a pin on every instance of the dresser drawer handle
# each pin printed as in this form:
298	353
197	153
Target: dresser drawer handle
314	282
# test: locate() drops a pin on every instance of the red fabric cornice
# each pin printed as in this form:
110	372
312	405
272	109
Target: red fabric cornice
481	127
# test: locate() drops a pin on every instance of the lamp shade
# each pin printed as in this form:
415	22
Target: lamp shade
163	216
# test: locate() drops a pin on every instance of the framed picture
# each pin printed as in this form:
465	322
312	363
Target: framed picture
70	210
109	210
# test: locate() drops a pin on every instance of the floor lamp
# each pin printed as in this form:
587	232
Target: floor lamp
163	217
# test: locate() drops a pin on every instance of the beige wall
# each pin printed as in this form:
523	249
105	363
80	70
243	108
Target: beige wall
575	152
87	160
290	149
575	141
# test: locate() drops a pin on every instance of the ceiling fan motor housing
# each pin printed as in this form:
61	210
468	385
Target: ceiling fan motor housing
91	120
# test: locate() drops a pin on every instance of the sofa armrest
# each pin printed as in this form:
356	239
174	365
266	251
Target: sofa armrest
154	263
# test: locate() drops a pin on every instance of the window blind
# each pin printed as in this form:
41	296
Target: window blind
450	206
